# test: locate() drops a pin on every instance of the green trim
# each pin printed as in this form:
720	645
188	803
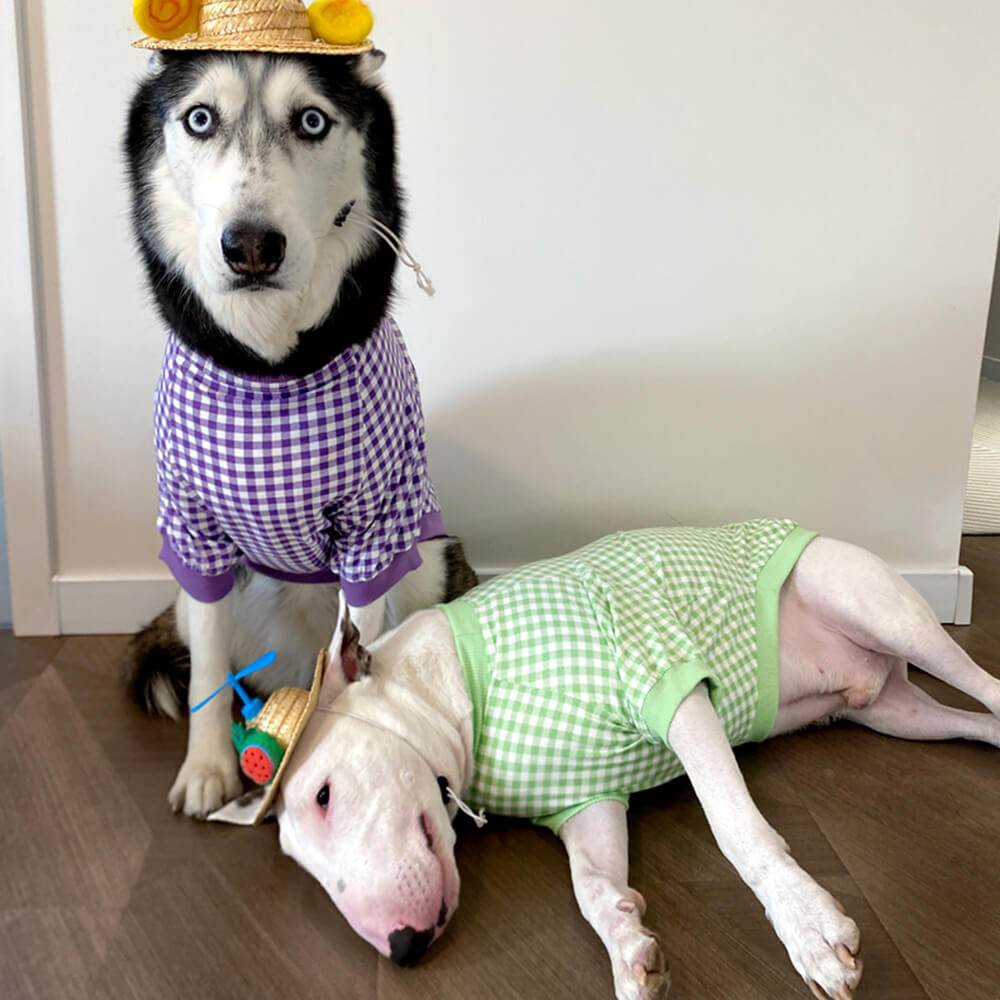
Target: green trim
665	696
769	584
468	632
554	821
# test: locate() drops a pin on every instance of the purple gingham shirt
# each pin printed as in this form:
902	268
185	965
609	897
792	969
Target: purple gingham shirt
309	479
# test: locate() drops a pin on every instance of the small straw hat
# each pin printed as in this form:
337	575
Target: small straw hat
238	26
284	717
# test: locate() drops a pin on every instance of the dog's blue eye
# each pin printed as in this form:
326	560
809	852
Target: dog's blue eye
312	124
200	122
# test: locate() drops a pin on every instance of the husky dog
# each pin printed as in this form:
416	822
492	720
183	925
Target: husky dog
563	686
266	209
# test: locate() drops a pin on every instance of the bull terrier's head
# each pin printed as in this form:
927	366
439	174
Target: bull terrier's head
363	804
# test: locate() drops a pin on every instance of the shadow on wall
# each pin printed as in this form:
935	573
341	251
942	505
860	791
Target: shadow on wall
575	453
6	614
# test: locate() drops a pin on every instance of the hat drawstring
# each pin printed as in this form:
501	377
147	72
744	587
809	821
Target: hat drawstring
395	244
479	818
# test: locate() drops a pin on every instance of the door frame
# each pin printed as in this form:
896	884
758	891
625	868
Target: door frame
24	440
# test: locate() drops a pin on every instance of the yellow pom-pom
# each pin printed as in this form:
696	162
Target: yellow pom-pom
167	19
340	22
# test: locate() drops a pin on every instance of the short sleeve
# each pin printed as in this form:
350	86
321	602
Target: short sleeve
555	821
376	529
198	552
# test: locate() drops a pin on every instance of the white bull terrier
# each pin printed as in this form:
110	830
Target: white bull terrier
554	691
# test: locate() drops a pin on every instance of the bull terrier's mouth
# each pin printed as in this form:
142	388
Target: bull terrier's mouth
442	914
425	826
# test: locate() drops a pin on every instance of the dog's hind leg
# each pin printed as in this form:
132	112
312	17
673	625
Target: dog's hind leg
209	775
821	941
853	591
904	710
596	840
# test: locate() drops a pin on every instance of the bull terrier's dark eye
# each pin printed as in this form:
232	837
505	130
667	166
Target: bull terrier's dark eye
443	785
323	796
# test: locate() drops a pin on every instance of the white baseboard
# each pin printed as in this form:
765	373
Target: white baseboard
109	605
948	592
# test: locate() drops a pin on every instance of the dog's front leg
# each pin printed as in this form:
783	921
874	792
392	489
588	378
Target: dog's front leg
209	775
821	941
596	840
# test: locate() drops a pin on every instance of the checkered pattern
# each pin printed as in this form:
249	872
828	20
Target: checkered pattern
573	646
299	476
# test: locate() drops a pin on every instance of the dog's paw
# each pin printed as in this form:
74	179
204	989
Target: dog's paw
821	940
205	783
637	962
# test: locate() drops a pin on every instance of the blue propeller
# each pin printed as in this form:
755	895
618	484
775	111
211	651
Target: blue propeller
251	706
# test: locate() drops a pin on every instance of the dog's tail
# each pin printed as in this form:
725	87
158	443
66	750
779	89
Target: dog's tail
156	667
459	575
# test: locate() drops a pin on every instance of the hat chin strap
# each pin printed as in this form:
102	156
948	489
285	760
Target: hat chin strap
395	244
478	818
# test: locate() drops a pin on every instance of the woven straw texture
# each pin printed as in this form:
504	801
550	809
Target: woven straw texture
280	715
296	711
254	26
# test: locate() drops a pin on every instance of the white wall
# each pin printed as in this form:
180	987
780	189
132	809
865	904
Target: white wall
710	261
733	260
102	339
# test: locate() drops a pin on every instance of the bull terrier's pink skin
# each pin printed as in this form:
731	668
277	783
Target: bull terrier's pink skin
362	807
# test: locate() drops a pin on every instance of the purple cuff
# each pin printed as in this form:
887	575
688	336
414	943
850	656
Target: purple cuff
362	592
207	589
213	588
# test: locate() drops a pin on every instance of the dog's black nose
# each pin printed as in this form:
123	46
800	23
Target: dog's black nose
253	250
407	945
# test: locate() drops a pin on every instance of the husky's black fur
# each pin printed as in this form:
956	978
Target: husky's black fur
366	288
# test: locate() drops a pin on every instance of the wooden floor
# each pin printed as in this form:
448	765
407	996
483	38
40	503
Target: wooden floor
105	894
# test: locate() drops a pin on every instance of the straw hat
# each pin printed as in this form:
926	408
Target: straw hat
255	26
284	717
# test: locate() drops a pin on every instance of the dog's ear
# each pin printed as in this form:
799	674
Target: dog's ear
346	659
369	66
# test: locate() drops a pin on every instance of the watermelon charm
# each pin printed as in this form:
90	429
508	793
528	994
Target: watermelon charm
259	752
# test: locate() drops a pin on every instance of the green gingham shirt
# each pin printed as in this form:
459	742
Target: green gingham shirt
576	665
